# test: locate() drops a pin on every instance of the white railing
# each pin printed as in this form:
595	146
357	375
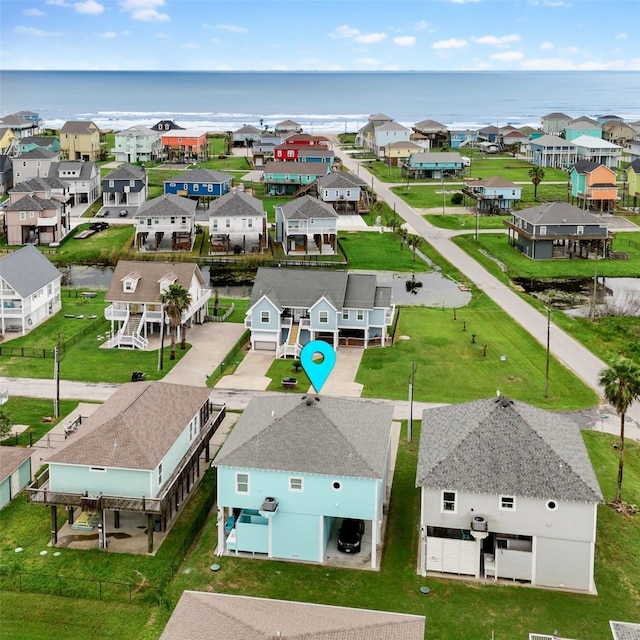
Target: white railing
166	227
305	323
285	350
112	312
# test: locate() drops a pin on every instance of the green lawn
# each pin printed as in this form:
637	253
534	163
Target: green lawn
283	368
380	251
102	248
520	266
451	368
465	221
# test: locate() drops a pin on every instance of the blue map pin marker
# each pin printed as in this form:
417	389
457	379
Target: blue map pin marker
318	372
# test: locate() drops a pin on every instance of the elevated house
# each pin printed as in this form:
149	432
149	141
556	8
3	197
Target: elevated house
307	226
167	125
507	493
308	139
15	472
494	195
292	178
293	468
34	164
29	290
237	224
365	137
290	307
8	142
80	140
246	136
593	186
137	144
303	153
83	178
433	165
397	153
582	126
552	151
135	311
618	132
345	192
200	184
490	133
558	230
436	132
38	142
632	150
20	126
139	455
37	212
598	150
198	612
166	223
463	138
287	128
387	133
6	174
184	145
555	123
126	186
632	174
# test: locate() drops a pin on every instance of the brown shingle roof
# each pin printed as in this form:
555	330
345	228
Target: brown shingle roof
136	426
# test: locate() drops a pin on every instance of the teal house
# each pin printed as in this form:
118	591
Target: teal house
582	126
294	467
434	165
15	472
38	142
292	178
139	456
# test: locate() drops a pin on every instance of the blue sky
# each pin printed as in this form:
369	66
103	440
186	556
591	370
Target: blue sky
326	35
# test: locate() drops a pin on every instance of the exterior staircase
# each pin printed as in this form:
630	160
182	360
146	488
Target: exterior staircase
293	334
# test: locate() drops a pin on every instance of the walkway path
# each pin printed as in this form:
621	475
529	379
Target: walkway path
565	348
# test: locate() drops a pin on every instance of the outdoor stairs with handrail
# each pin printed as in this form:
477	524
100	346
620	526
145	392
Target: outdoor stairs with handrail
293	334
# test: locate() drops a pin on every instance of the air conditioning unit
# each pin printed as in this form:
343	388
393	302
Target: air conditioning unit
269	504
479	523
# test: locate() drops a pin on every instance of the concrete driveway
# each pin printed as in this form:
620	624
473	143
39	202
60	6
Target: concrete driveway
341	381
250	374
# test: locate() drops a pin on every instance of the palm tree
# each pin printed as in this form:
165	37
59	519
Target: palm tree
621	386
175	300
414	242
537	176
6	424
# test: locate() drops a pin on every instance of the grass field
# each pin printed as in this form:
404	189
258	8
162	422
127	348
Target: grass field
452	368
104	247
380	251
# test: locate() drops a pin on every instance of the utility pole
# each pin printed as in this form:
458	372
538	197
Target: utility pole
546	375
56	375
410	423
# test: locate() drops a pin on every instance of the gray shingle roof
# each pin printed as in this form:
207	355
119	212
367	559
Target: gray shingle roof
41	141
202	176
11	458
315	152
361	290
248	128
338	180
297	168
243	618
27	270
306	208
494	181
13	121
148	287
625	630
392	125
88	168
136	426
38	154
499	446
329	436
166	206
556	115
236	204
79	127
126	172
430	125
552	141
33	203
557	213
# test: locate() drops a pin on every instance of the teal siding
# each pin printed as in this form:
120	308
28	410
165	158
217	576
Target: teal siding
173	457
5	492
296	536
121	482
24	473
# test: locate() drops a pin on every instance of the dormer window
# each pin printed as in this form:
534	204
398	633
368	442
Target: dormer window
129	285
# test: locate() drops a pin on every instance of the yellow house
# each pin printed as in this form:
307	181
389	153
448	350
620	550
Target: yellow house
633	181
8	142
397	152
80	140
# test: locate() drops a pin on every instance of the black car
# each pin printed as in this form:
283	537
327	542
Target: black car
99	226
124	213
350	535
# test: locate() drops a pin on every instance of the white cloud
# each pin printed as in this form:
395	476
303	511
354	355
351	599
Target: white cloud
421	25
38	33
368	62
161	35
462	1
33	13
109	34
90	7
144	10
546	45
404	41
344	31
498	41
370	38
233	28
451	43
215	41
507	56
189	45
57	3
621	36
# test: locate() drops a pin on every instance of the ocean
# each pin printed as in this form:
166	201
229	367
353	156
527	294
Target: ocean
321	102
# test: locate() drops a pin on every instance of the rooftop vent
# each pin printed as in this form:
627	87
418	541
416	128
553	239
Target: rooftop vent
504	402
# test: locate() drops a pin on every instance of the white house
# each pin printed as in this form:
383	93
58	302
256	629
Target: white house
135	311
137	144
388	133
507	492
29	290
342	190
83	178
33	164
598	150
238	223
166	223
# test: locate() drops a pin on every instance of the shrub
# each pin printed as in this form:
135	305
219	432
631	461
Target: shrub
456	198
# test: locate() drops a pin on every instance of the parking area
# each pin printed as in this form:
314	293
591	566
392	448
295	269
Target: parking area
117	212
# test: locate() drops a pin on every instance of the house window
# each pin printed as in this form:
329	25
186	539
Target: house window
580	230
543	231
128	285
507	503
551	505
242	483
196	187
359	314
31	214
160	474
250	223
173	219
265	317
132	183
449	501
98	469
172	184
323	317
184	220
210	188
23	215
185	186
290	153
296	484
227	223
345	314
214	223
111	183
348	193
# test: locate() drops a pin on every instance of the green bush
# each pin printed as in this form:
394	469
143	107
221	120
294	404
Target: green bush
456	198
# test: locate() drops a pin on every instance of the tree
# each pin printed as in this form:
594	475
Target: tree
393	221
537	176
6	424
621	387
175	300
415	243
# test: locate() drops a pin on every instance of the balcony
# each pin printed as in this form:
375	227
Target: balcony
115	312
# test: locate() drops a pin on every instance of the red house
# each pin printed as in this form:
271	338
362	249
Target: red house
308	140
302	153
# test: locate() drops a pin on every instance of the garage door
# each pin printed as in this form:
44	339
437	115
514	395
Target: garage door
264	345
